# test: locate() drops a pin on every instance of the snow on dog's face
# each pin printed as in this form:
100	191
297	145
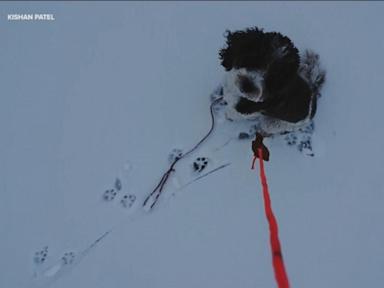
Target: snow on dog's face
259	67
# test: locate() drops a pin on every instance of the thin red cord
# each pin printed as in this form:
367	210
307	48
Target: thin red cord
277	256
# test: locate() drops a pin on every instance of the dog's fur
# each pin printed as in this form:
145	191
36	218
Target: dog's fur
266	81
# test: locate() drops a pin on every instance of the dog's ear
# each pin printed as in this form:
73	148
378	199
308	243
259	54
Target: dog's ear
244	48
284	64
284	49
226	55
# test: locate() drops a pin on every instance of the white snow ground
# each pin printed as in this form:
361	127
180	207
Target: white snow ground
111	85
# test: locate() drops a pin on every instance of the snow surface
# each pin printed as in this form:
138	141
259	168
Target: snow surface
109	89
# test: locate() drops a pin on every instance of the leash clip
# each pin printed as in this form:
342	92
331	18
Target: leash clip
258	144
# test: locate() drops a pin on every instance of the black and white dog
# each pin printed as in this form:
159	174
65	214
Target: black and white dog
266	81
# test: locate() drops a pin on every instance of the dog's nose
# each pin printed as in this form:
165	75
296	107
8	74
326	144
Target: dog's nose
247	86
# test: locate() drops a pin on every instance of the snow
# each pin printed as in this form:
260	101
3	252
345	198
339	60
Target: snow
108	90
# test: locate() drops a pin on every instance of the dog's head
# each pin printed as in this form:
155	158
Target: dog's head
260	65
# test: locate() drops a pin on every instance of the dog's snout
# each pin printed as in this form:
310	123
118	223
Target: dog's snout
247	86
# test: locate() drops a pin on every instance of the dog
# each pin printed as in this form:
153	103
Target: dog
267	81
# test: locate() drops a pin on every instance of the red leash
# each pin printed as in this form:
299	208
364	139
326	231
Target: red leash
277	256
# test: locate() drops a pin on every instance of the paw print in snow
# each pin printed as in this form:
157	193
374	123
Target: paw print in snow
291	139
308	129
305	146
109	194
175	154
200	164
41	255
128	200
68	258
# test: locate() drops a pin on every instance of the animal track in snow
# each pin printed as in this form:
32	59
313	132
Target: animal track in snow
128	200
41	256
176	153
302	139
68	258
200	164
109	194
291	139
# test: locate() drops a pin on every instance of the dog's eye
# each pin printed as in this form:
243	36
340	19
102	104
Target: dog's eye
246	85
